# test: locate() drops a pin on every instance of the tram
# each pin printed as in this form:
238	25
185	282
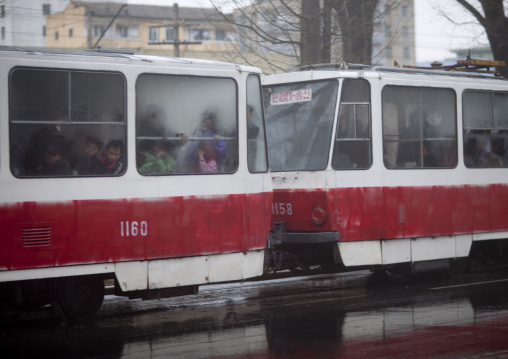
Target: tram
148	171
388	167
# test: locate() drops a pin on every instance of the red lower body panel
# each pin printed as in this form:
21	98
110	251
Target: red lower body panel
46	234
375	213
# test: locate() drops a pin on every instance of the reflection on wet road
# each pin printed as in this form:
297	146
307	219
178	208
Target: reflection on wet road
352	315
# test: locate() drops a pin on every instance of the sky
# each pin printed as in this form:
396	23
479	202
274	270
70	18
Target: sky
435	35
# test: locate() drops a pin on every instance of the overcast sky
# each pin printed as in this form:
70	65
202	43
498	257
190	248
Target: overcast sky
435	35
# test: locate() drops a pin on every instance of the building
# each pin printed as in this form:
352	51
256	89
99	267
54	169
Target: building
394	33
23	22
277	30
200	32
143	28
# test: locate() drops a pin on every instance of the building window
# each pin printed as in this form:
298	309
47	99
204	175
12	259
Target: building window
405	31
388	31
3	33
98	30
122	31
46	9
44	30
405	10
220	35
405	53
2	11
71	32
170	34
153	34
201	34
388	52
56	35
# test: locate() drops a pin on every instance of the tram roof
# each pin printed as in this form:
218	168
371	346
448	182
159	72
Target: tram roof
125	54
344	70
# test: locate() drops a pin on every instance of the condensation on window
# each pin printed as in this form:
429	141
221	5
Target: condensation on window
485	129
299	120
64	123
186	125
419	127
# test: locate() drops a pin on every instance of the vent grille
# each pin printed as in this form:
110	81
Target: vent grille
36	236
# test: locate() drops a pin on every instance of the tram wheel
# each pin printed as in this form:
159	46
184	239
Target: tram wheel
81	297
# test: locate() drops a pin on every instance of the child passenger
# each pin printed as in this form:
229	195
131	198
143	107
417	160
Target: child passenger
158	160
110	162
207	158
54	163
90	155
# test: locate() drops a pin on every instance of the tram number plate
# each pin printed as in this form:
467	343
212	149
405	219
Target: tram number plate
133	229
282	208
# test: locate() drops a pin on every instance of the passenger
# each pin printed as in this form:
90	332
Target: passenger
429	158
33	158
207	128
252	129
110	162
207	157
90	157
54	163
487	158
471	153
449	155
158	160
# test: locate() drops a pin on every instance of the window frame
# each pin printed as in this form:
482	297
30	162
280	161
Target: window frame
331	134
482	131
421	140
237	143
262	122
338	139
69	121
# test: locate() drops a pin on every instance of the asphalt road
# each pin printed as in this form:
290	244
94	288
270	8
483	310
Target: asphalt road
351	315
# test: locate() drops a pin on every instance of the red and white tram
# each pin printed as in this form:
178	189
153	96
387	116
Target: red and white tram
126	167
387	167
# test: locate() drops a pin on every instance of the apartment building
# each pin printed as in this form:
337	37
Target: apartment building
143	28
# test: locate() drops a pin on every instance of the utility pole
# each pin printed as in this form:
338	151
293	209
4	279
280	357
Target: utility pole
89	29
176	39
176	29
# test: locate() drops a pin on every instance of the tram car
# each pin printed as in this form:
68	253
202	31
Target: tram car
381	167
148	171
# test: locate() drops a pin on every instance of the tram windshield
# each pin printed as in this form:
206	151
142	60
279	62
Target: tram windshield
299	120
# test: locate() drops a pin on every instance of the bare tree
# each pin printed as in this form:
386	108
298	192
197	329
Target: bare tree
491	15
281	34
356	19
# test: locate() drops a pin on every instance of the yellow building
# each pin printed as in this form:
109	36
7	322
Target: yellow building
142	28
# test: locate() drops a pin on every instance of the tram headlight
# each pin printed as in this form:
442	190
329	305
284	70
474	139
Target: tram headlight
318	216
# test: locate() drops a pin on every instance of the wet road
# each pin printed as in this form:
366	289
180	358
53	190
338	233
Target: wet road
351	315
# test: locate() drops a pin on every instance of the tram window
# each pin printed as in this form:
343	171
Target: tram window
485	128
299	119
419	127
186	124
63	122
256	144
352	148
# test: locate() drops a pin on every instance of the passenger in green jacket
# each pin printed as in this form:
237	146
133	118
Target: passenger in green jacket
158	160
